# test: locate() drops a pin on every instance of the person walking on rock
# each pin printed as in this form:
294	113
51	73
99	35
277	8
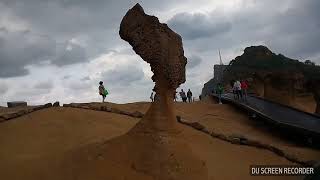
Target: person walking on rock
102	91
237	88
189	95
220	90
233	89
183	96
175	96
152	97
244	87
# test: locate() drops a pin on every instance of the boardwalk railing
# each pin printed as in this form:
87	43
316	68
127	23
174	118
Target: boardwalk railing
286	118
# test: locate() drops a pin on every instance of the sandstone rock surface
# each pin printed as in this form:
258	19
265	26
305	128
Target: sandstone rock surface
56	104
162	48
276	77
282	87
16	104
314	86
154	148
157	44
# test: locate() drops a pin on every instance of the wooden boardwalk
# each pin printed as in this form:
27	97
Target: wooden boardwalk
282	116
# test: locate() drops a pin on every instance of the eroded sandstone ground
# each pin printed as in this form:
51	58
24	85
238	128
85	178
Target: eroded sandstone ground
33	146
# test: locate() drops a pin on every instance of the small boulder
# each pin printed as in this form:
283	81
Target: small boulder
10	116
125	113
17	104
137	114
36	108
108	109
85	107
178	119
2	119
56	104
103	108
96	108
214	134
47	105
21	112
197	126
238	139
256	144
276	150
114	110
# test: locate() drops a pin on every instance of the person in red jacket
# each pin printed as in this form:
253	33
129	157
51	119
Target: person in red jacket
244	88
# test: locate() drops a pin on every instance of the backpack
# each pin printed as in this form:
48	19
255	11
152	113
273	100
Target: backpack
105	92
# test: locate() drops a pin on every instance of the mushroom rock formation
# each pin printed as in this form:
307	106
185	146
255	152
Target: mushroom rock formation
154	149
162	48
158	45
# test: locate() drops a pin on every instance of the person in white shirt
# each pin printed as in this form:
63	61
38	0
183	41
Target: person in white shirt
237	88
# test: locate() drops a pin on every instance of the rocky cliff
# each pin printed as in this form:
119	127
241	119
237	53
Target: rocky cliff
277	77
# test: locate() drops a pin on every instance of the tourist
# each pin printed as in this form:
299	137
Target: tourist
220	90
237	88
233	89
152	97
189	95
244	87
175	96
102	91
183	96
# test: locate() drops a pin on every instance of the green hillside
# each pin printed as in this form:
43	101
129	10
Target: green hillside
259	59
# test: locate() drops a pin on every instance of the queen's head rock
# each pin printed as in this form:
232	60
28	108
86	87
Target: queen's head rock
156	44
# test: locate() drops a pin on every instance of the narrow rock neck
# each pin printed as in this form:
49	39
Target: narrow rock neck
161	115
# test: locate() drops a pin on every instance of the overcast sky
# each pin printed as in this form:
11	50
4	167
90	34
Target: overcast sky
60	49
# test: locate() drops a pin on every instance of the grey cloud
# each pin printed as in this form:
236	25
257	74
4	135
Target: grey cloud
193	61
194	26
298	30
66	77
44	85
21	48
87	78
3	88
292	30
79	86
18	49
67	56
24	94
94	21
123	75
53	23
289	27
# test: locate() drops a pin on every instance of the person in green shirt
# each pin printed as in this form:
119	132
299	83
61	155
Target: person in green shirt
220	90
102	91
